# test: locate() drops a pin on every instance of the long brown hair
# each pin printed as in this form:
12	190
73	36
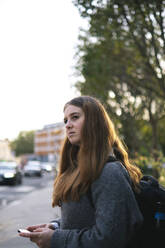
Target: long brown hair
80	166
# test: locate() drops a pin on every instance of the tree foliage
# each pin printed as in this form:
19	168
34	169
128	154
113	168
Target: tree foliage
121	60
24	143
140	24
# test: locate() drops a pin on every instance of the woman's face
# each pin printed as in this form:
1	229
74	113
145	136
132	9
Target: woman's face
74	119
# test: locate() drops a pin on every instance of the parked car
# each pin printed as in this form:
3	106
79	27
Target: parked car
10	173
33	168
46	166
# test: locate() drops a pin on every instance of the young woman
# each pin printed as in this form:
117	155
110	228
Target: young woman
98	207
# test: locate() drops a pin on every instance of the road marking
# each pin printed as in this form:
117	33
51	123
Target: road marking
14	203
23	189
19	189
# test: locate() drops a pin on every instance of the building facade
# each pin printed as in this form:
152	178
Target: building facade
48	141
5	150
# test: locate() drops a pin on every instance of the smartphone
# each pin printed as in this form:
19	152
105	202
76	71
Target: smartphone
23	231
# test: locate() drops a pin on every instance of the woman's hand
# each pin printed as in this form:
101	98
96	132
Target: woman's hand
39	234
33	228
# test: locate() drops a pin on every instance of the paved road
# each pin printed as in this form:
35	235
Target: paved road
32	208
12	194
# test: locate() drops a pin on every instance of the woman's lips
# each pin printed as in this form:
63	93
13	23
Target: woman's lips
71	133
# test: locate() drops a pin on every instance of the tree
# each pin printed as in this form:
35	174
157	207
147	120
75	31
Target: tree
115	57
140	24
24	143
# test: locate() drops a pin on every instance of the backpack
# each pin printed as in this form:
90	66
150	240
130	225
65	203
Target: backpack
151	202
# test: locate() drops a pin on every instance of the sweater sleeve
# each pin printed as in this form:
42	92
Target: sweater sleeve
116	212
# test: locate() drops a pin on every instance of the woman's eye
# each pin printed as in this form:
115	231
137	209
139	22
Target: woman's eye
75	117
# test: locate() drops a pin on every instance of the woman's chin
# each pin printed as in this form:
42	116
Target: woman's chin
74	142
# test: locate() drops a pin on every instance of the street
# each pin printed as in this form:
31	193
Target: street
13	194
24	205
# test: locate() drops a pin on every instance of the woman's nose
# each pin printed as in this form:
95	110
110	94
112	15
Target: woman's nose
68	124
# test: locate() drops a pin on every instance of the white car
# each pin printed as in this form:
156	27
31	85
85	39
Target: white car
46	166
33	168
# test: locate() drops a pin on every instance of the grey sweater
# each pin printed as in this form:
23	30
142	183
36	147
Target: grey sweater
112	221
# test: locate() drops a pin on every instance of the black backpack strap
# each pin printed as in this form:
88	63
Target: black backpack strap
111	159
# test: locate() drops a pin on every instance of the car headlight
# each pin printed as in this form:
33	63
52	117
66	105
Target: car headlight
9	174
49	168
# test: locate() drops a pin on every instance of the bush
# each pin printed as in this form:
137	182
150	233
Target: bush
150	166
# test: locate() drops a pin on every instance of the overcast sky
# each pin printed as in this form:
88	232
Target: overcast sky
37	47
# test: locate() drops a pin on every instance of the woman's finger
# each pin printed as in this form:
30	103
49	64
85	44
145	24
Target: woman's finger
39	229
31	235
32	228
25	235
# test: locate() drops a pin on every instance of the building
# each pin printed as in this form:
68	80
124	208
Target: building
5	151
48	141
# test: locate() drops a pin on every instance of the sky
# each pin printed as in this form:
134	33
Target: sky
38	39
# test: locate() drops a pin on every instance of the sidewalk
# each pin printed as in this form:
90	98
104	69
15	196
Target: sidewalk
34	208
